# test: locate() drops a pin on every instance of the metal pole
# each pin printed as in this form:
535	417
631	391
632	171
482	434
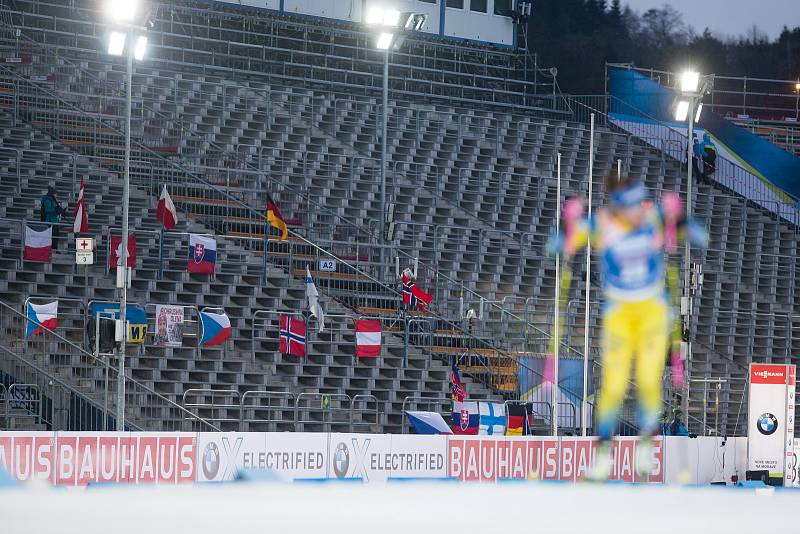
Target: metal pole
556	332
584	404
123	301
687	275
384	128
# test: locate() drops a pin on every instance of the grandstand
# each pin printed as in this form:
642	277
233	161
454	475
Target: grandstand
232	104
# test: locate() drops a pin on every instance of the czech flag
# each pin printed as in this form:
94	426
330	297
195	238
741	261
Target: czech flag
115	253
368	338
466	418
202	254
293	336
41	316
414	296
81	223
38	245
166	212
216	328
428	423
275	218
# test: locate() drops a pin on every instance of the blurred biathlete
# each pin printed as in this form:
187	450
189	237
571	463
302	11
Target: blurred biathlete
631	236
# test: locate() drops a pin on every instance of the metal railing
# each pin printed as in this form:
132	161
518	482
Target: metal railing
65	407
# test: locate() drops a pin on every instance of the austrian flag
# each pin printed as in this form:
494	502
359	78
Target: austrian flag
368	338
81	222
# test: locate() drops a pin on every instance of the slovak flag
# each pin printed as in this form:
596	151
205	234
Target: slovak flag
202	254
368	338
81	223
412	295
41	316
216	328
166	212
293	336
466	418
115	252
38	245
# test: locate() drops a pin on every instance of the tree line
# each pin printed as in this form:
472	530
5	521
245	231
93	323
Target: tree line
580	36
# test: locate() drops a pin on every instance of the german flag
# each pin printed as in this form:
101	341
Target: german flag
275	218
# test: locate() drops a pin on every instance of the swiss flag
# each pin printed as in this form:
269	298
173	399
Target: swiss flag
115	253
293	336
368	338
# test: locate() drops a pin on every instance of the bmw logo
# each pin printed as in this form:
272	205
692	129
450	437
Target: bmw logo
341	460
211	461
767	424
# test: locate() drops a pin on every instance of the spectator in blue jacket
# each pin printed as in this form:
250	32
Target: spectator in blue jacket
50	211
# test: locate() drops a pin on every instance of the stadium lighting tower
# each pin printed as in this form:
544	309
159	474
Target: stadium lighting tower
391	28
122	15
692	87
797	101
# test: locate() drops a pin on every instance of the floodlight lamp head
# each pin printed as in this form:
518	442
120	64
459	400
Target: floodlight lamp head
690	82
385	40
140	48
383	16
698	113
413	22
116	43
682	111
122	10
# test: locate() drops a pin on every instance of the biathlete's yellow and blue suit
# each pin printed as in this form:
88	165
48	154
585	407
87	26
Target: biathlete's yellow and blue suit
636	312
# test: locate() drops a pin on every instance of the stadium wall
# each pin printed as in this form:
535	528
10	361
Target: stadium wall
457	23
83	458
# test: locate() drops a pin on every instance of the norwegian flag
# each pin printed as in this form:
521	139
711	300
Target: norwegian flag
459	393
414	296
293	336
81	223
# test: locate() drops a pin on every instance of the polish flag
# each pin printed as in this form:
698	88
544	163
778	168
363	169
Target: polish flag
166	212
81	223
368	338
38	245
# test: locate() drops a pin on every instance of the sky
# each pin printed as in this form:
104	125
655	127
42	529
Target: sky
730	18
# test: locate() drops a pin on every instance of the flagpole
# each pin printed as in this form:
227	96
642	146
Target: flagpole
557	307
124	267
584	403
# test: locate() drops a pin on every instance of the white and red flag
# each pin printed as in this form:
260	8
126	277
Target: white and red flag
368	338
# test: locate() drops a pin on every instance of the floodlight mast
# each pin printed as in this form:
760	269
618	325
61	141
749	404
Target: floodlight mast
122	14
692	87
391	27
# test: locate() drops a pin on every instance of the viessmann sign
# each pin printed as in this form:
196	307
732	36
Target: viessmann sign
78	459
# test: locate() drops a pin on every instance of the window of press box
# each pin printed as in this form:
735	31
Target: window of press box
478	5
502	7
428	1
458	4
